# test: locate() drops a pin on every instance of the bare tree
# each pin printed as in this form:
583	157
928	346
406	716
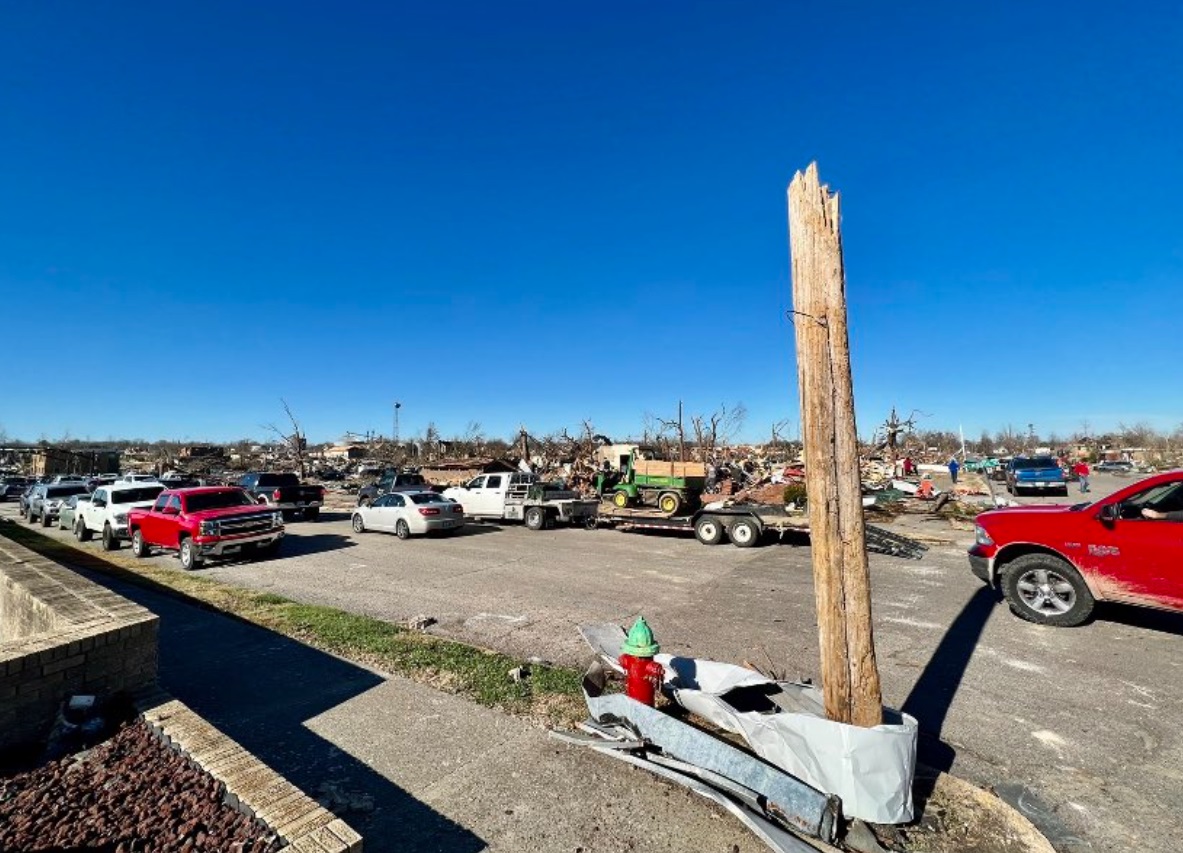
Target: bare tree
894	428
295	441
719	427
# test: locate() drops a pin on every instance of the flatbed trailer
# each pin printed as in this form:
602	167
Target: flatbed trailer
746	525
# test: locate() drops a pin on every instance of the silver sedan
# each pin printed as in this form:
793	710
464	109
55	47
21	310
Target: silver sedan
69	511
407	513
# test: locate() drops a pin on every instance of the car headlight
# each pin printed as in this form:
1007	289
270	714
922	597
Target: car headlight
121	518
981	536
277	519
208	528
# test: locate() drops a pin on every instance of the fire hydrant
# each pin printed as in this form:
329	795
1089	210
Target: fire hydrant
643	675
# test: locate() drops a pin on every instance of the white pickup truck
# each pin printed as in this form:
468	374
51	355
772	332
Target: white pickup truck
106	511
522	497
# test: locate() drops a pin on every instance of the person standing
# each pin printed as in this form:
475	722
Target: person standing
909	466
953	468
1081	470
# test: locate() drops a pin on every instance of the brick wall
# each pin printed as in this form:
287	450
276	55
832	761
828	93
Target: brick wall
61	635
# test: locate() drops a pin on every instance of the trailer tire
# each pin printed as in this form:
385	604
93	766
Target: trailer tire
535	518
744	533
669	502
709	530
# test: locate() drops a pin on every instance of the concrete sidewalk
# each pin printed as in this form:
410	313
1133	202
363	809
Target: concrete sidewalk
413	768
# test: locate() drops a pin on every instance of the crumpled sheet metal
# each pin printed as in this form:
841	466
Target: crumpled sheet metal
871	769
790	800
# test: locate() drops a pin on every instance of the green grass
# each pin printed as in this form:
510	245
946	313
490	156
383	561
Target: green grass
551	694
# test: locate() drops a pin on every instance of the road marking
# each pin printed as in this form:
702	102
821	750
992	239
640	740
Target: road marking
914	623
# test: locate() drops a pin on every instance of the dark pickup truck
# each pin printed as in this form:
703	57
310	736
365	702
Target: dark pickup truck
392	481
285	492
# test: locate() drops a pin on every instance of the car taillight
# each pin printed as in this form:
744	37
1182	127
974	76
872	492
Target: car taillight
275	496
457	508
427	510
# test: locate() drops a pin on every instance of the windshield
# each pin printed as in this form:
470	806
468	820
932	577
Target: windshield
131	496
217	500
1038	462
428	498
65	491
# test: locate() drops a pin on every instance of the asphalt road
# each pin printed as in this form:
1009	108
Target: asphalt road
1078	727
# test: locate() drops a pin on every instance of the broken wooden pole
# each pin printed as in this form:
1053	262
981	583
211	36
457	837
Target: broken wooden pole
841	575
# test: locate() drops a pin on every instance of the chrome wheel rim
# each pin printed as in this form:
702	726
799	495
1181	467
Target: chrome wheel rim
1046	591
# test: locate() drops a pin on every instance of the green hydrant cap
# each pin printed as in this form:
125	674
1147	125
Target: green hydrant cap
640	642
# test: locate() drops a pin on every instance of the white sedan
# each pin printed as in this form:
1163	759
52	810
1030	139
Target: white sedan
404	513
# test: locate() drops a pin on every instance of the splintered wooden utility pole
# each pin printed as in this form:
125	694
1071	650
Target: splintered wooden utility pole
841	576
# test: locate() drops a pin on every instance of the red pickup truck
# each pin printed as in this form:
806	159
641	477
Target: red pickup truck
1053	563
212	521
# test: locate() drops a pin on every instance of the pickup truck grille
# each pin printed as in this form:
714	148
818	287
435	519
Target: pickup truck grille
244	525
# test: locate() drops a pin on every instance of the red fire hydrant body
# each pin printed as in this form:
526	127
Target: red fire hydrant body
642	678
643	675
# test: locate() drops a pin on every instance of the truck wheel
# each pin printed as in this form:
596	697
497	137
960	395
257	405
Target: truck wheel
189	558
1046	590
708	530
81	531
364	502
110	540
138	547
45	522
744	533
669	502
402	530
535	518
312	513
620	499
359	523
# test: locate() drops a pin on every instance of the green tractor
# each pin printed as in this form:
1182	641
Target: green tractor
647	480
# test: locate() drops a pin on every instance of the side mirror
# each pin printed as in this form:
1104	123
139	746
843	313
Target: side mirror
99	502
170	510
1109	513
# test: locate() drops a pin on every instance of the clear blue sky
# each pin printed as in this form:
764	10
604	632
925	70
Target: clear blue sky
538	213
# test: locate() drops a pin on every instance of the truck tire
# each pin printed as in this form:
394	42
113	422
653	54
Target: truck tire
364	501
189	558
669	502
45	522
110	540
535	518
1047	590
620	499
81	531
744	533
139	548
709	530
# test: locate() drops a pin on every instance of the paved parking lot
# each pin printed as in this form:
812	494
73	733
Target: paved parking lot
1077	726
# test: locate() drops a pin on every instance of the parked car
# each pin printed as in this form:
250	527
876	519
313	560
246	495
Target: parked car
57	479
101	480
1116	467
285	492
392	481
1039	473
68	512
1053	563
46	499
207	521
12	487
138	478
109	508
409	513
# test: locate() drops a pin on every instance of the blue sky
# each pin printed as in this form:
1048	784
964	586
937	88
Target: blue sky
538	213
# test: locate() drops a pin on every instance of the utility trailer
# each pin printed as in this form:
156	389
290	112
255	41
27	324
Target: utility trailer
747	525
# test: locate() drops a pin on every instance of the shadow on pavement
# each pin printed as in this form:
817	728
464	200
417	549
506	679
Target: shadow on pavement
300	544
937	686
260	687
1163	621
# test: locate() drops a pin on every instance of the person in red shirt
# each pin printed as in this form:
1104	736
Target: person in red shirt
1081	470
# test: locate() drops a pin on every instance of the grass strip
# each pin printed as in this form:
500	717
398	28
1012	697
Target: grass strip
549	694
